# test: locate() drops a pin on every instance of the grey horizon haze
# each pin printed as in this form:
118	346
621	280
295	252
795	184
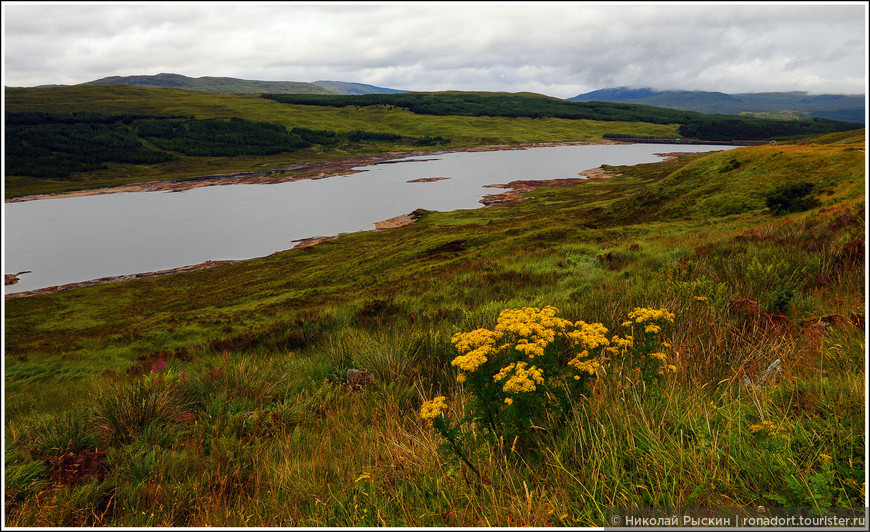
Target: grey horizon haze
560	49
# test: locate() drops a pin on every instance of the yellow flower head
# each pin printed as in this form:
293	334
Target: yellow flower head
587	366
588	335
466	342
640	315
432	409
523	379
531	329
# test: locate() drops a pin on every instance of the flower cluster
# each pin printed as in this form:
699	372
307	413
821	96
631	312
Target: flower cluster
523	379
533	329
588	335
476	346
641	315
432	409
527	331
532	367
589	366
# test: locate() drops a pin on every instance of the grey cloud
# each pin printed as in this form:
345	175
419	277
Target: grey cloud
541	46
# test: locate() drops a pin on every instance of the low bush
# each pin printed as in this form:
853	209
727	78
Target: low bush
791	197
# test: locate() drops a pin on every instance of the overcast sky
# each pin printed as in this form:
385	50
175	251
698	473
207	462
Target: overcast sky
560	48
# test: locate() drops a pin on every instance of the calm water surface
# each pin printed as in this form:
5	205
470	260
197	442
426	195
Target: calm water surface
79	239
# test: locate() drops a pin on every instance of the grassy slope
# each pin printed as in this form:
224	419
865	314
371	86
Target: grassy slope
266	433
463	131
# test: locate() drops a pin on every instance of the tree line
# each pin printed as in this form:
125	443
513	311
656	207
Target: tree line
56	145
692	124
59	146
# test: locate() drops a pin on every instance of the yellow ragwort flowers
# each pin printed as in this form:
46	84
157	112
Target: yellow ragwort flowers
589	335
640	315
620	345
588	366
523	379
432	409
476	346
528	330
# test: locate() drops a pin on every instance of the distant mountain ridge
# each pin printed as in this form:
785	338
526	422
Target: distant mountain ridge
845	107
242	86
343	87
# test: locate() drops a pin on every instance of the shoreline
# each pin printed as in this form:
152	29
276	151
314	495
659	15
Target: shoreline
293	172
116	278
328	169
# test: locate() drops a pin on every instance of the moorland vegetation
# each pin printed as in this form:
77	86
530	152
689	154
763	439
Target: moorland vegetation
591	347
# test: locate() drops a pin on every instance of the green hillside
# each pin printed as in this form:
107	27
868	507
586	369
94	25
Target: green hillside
220	397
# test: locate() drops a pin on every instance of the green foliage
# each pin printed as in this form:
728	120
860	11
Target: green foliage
220	138
70	431
724	127
791	197
123	412
324	137
61	145
25	479
359	135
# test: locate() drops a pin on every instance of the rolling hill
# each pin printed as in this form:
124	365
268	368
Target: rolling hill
242	86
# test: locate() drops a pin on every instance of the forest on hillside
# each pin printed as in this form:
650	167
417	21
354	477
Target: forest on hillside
692	124
55	145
